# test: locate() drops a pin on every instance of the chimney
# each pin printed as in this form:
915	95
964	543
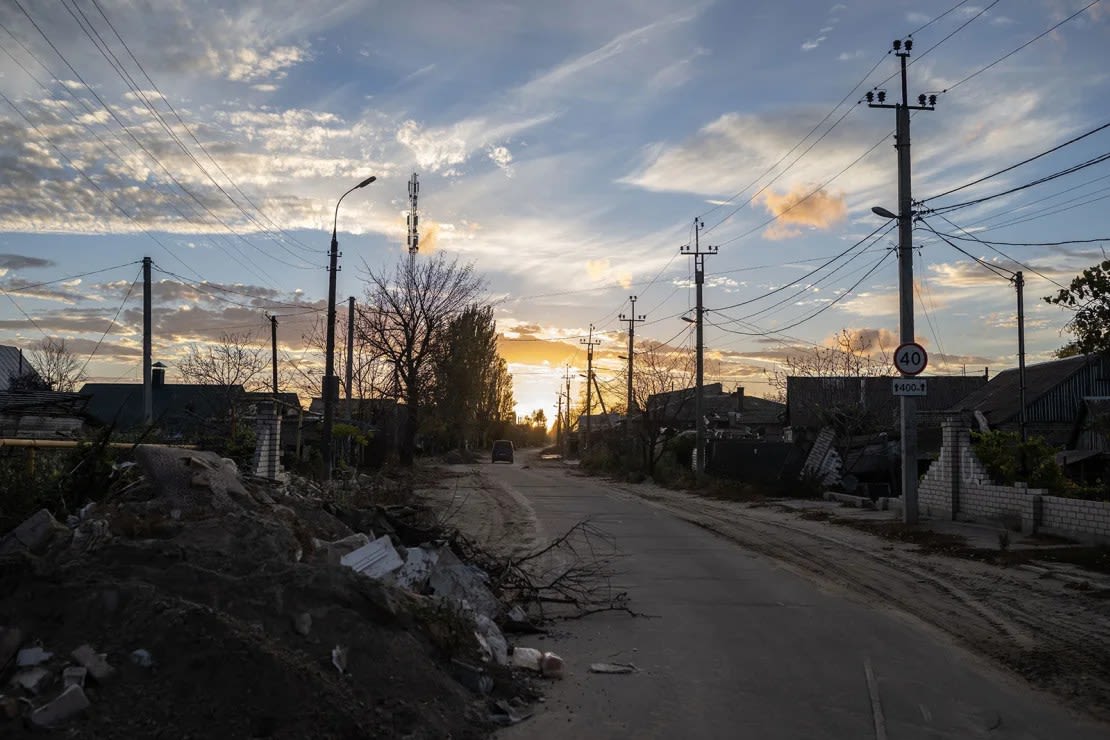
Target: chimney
739	398
157	375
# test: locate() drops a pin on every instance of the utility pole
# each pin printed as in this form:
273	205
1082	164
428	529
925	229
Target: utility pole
905	268
631	319
350	350
590	344
559	422
273	355
699	373
566	433
148	388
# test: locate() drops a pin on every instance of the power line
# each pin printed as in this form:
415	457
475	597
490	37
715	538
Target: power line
990	246
111	324
1019	164
25	288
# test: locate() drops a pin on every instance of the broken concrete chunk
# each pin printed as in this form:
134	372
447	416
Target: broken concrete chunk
34	534
472	677
528	658
334	551
33	680
551	666
302	623
376	560
95	663
491	640
464	584
74	675
32	656
613	668
69	704
419	562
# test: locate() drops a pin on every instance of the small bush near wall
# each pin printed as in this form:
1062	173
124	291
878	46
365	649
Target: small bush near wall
1002	453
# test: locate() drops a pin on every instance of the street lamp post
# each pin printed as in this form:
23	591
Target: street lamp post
330	387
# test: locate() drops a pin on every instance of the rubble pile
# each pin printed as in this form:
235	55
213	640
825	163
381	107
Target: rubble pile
192	603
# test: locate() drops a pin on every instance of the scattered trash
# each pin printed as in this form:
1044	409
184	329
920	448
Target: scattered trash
613	668
32	656
142	658
491	640
551	666
302	623
528	658
472	677
517	614
96	663
74	675
376	560
339	658
33	680
419	562
71	702
505	714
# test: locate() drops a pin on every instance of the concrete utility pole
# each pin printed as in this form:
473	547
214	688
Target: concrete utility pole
559	422
699	279
905	268
631	319
350	350
590	344
566	433
148	388
1019	283
273	354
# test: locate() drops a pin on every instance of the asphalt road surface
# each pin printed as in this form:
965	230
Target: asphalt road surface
740	647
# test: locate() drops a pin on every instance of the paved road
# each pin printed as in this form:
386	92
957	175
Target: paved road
743	648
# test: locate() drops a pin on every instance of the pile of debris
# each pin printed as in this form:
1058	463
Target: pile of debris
192	603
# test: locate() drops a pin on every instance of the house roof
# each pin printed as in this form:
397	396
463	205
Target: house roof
760	411
44	403
358	406
13	363
997	400
180	405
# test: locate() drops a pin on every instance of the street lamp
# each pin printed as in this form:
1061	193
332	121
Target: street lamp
880	211
330	386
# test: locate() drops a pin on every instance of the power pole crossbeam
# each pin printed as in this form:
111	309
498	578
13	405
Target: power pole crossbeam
908	405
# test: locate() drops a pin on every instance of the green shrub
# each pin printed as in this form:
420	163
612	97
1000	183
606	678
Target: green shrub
1003	454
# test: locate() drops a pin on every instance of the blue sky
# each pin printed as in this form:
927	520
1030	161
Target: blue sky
565	149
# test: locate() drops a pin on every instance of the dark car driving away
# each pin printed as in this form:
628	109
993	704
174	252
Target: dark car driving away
503	450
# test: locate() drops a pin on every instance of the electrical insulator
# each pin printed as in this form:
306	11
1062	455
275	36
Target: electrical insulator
909	44
870	97
897	44
882	95
921	99
932	100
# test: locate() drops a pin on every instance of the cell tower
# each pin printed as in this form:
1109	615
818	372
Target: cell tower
414	218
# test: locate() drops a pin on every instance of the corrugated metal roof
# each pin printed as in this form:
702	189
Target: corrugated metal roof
13	363
998	399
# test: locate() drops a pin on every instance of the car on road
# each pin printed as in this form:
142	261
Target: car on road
503	450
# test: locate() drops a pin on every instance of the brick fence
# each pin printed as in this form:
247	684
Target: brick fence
958	486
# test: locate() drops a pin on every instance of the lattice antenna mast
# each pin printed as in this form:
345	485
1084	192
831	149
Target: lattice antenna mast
414	217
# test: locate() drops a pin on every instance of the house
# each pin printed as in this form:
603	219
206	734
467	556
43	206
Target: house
182	411
1055	397
13	365
727	414
867	405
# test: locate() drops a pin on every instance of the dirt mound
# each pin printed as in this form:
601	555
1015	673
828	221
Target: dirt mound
242	621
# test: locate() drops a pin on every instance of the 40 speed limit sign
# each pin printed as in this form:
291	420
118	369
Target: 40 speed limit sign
910	358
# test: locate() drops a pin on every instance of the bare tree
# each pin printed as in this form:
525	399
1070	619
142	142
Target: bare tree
371	375
858	354
406	314
235	362
58	367
662	386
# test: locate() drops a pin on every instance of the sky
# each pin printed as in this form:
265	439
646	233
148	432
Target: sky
566	150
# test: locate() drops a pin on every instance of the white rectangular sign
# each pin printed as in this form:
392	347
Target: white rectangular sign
909	386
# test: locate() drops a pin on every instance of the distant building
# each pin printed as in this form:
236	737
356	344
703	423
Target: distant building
14	365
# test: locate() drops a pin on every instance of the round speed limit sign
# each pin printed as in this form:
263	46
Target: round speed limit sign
910	358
